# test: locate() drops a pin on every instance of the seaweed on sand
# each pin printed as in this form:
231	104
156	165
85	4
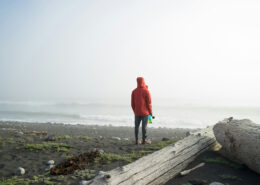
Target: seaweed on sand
74	163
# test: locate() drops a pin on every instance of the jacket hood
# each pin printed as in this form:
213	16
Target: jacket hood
140	82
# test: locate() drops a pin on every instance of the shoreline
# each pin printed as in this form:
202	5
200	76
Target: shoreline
153	125
48	126
32	145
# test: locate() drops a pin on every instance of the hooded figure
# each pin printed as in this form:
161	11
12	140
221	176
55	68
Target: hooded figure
142	106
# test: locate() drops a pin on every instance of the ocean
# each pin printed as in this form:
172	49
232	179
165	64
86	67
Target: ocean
115	112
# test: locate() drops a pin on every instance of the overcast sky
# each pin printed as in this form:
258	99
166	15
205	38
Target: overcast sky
183	48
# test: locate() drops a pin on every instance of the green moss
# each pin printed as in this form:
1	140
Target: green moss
40	179
29	139
84	174
48	146
229	177
63	149
73	177
68	157
86	138
221	160
16	181
10	140
137	155
110	157
57	138
161	144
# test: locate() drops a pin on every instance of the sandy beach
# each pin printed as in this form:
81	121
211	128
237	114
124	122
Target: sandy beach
32	145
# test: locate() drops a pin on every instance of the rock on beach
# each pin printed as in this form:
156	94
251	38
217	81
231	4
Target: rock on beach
19	171
116	138
50	162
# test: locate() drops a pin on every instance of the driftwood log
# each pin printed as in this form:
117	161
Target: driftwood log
160	166
240	140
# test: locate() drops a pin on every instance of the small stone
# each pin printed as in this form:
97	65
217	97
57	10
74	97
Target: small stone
216	183
19	132
99	150
50	162
187	134
116	138
199	134
20	171
126	139
165	139
83	182
49	167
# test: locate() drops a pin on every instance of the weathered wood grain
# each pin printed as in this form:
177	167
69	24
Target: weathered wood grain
240	140
160	166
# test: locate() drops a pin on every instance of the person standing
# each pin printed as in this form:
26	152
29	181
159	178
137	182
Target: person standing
141	103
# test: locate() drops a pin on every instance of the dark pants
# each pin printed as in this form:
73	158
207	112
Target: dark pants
138	120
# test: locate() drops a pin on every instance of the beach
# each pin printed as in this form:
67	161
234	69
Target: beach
217	168
32	145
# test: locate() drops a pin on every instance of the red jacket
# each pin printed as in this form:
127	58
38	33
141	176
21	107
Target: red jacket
141	101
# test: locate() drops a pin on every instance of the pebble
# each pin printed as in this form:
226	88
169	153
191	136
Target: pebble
19	132
49	167
216	183
187	134
116	138
126	139
20	171
100	151
50	162
83	182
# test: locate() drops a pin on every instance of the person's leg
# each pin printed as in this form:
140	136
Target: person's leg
137	124
144	127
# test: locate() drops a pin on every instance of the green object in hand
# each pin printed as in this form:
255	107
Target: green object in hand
150	119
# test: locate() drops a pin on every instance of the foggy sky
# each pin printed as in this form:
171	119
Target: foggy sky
183	48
